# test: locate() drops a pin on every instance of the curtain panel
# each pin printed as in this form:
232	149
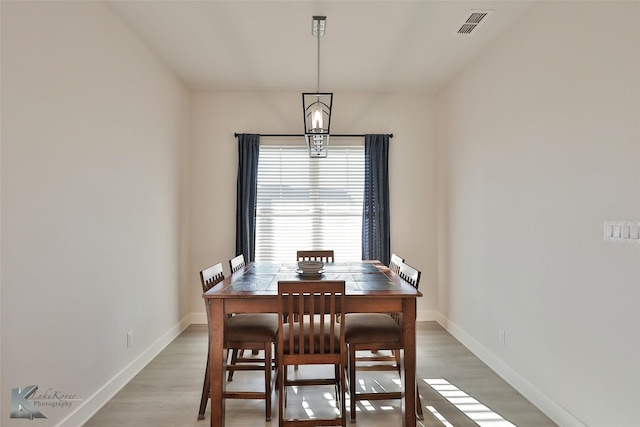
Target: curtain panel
247	190
376	241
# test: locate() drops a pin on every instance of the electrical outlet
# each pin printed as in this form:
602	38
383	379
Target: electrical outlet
129	338
502	336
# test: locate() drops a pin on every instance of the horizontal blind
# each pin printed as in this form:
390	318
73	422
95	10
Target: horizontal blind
309	203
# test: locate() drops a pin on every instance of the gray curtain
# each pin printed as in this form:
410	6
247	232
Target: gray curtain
376	242
247	189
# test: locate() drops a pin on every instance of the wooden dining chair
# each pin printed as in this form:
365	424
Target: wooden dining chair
315	255
237	354
395	263
236	263
242	331
375	332
410	274
310	334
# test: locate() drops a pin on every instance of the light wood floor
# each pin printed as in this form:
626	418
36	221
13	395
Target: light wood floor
457	390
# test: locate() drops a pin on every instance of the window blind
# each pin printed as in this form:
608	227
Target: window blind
305	203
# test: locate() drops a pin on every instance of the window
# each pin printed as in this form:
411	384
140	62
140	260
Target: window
306	203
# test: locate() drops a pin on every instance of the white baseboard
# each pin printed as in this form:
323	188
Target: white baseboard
96	401
549	407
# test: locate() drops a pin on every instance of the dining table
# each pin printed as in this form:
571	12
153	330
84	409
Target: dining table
370	287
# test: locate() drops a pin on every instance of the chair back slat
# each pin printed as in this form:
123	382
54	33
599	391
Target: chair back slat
211	276
312	311
410	274
236	263
395	263
315	255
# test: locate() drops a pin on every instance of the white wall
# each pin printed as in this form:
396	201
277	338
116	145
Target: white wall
92	132
540	143
217	115
105	222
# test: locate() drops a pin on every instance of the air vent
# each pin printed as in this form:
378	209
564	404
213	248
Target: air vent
473	19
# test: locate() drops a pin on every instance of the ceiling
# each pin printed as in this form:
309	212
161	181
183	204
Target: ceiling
267	45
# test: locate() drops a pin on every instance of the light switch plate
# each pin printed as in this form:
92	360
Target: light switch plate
617	231
622	231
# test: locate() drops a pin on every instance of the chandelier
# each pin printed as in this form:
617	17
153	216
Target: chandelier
317	106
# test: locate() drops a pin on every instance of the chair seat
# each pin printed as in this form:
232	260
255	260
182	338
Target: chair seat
361	328
307	331
252	328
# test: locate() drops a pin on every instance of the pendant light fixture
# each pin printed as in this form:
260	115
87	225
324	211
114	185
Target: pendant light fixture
317	106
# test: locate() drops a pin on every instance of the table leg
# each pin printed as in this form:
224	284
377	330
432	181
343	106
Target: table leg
409	336
217	361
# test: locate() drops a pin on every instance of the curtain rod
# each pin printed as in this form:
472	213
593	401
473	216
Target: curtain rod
301	135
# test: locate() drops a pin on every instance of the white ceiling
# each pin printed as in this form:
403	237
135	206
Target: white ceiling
267	45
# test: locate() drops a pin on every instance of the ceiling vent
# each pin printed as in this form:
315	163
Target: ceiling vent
473	20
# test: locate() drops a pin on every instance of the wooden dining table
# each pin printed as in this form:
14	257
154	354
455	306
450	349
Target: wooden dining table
370	288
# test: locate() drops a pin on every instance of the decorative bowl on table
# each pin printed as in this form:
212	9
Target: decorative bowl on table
310	268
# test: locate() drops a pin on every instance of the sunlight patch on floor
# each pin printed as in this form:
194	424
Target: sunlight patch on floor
439	416
479	413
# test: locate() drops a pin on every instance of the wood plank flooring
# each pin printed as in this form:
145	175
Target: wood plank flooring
457	390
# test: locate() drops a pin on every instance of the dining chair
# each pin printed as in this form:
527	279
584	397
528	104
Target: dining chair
315	255
242	331
374	332
236	263
237	354
323	255
309	333
395	263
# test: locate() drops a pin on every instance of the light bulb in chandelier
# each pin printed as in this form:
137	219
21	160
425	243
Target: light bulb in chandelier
316	118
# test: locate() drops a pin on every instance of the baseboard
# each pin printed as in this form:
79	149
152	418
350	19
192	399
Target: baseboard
549	407
96	401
